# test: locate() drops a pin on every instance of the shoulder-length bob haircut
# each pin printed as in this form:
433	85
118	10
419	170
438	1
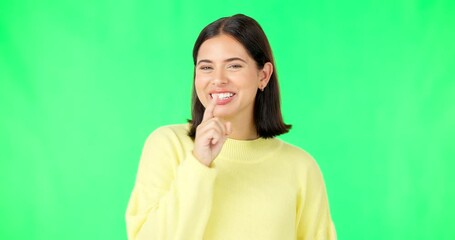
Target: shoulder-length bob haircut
267	110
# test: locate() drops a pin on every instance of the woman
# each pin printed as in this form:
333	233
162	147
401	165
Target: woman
224	175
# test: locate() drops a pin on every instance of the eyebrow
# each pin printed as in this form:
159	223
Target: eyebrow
227	60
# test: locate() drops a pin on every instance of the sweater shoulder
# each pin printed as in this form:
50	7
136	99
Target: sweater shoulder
170	131
297	156
295	151
169	137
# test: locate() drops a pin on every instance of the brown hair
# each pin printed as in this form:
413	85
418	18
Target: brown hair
267	108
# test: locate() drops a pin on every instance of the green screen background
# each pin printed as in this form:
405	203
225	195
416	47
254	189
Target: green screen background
368	86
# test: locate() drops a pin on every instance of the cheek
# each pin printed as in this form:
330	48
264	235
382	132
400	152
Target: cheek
200	81
199	85
249	82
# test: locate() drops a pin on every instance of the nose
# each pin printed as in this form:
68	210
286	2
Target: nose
220	78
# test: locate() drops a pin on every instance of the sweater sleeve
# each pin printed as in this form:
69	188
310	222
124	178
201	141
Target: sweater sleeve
172	197
313	213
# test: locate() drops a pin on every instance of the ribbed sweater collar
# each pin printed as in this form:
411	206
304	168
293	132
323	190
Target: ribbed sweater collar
249	150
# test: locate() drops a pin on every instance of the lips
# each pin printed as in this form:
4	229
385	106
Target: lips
222	98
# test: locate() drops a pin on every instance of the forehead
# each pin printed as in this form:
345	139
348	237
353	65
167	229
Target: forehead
222	47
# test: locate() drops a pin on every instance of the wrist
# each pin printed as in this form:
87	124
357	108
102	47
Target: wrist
201	160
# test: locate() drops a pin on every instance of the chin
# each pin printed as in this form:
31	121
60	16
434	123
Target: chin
222	114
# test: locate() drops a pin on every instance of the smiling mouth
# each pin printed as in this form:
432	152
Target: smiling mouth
222	96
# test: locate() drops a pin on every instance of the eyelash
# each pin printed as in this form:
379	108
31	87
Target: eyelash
236	66
206	68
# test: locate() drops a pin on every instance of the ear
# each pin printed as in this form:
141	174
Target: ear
264	75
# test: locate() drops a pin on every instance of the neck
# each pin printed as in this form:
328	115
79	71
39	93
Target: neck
242	130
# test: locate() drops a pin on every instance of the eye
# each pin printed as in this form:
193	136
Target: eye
235	66
205	68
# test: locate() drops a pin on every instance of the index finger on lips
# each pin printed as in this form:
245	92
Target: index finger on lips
208	113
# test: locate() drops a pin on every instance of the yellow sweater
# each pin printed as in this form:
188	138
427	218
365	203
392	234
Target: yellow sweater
259	189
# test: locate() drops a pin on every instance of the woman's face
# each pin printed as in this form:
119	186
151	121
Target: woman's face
225	71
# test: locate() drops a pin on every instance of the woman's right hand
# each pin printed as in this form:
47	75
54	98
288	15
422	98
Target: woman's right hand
210	136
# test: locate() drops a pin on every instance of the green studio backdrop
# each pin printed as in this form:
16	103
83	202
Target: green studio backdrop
369	87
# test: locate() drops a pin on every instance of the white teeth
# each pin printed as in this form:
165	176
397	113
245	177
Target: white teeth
222	95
